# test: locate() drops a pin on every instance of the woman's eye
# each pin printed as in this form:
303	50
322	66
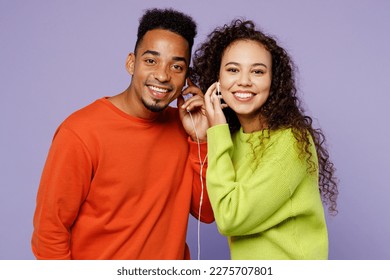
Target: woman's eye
233	70
258	72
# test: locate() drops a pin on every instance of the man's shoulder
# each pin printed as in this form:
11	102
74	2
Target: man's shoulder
88	112
86	116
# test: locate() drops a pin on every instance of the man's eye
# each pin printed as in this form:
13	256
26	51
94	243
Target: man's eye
149	61
177	67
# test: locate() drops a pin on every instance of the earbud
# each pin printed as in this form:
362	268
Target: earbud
219	94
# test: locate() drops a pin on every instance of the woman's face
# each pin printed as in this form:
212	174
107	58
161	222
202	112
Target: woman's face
245	77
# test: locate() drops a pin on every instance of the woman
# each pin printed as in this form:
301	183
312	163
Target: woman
268	169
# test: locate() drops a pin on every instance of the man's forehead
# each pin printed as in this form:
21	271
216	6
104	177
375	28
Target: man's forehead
164	41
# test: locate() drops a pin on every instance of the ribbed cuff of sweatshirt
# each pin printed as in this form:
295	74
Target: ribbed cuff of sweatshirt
194	153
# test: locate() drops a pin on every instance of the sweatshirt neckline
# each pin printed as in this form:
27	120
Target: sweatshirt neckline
118	111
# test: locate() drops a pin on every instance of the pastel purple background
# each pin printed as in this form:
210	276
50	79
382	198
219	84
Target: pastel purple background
58	56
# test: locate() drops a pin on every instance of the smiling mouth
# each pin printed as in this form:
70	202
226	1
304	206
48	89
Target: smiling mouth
158	92
243	95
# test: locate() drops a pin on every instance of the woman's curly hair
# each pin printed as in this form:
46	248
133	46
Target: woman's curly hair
281	110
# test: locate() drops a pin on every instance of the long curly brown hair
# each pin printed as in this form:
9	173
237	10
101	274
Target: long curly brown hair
283	108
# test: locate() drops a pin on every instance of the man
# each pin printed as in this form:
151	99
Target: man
122	174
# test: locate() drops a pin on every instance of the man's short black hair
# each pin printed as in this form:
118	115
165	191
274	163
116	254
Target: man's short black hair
167	19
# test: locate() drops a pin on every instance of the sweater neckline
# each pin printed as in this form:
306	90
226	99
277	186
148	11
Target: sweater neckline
245	137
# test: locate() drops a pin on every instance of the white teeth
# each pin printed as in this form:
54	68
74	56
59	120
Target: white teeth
243	95
158	89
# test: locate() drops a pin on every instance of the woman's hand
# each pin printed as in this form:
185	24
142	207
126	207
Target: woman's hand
214	107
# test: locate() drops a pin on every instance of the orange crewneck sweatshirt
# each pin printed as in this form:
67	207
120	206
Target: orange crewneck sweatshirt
118	187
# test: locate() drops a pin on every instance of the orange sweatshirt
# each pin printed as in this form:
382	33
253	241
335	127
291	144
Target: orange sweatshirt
118	187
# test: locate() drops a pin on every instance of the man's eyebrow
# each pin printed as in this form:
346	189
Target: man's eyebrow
151	52
156	53
179	58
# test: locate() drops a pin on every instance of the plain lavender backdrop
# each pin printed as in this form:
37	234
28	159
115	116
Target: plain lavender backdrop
58	56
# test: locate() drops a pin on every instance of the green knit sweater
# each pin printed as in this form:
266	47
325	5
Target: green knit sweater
269	207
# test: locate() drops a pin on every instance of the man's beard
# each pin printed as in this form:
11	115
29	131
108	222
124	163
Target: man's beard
155	107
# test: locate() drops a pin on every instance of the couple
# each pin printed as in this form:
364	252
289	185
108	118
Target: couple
123	173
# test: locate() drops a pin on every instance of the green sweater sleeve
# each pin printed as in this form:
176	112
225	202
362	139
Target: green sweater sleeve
247	200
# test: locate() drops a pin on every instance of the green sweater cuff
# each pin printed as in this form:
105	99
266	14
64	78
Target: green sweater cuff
219	140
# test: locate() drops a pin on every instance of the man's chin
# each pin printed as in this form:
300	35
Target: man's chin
156	107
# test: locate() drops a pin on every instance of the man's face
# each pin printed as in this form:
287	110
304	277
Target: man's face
159	69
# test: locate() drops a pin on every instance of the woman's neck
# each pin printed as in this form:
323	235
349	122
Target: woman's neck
251	124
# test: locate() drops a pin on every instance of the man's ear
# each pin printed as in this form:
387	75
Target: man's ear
130	61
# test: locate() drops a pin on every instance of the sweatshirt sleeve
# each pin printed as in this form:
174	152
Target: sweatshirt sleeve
64	185
246	207
199	191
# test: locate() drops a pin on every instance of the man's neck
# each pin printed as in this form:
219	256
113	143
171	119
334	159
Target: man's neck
126	102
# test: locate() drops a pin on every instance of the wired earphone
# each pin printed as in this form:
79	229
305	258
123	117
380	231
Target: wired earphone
201	178
201	169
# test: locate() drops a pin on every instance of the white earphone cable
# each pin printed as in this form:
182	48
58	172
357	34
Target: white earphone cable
201	179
